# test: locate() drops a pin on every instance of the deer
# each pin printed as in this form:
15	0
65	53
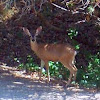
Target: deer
63	53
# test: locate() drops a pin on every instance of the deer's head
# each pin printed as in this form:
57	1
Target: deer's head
27	32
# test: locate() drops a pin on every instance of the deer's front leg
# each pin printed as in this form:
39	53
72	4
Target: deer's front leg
41	67
47	69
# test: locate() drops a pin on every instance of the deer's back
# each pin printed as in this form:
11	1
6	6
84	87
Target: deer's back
54	52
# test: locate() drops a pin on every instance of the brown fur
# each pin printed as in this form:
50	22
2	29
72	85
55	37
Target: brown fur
63	53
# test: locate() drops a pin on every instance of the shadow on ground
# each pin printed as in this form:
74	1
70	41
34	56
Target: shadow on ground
15	88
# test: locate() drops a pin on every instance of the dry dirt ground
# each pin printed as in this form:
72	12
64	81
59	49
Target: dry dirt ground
16	86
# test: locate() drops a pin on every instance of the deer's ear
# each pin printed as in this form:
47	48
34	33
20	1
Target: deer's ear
26	31
38	30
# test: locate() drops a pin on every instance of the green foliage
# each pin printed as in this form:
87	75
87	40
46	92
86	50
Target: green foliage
70	4
91	9
72	33
76	44
29	65
91	78
58	70
77	47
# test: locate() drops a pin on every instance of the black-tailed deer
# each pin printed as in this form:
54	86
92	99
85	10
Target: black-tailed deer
63	53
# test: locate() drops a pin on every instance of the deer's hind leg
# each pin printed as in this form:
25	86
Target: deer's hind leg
75	72
72	70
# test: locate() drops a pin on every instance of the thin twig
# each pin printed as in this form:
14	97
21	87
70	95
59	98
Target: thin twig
59	7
